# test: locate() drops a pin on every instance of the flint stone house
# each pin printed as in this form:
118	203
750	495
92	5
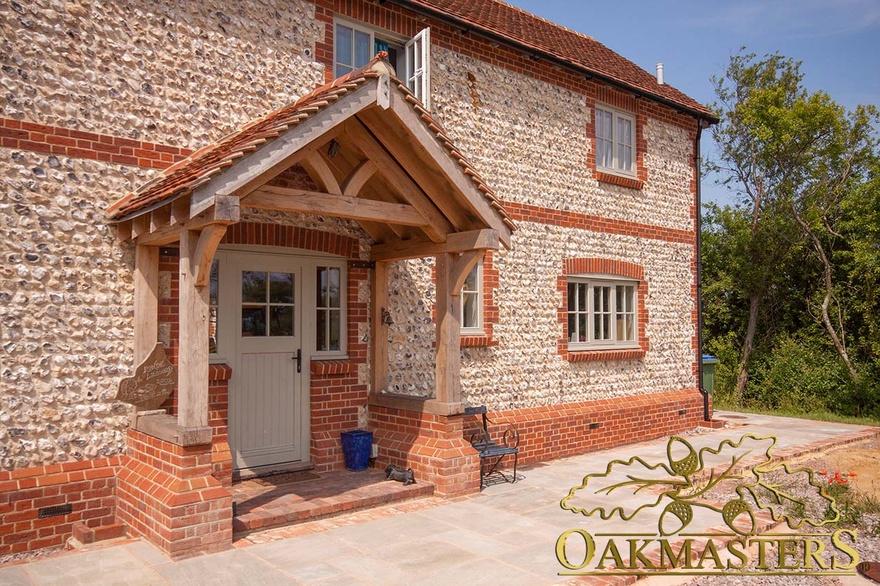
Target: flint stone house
331	214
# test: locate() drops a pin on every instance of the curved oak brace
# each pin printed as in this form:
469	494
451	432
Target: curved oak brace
209	240
359	175
318	168
461	268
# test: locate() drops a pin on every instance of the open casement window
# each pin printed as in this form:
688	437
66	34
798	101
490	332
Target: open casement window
602	314
615	141
418	66
472	302
355	44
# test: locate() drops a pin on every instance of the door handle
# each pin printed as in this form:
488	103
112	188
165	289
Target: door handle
299	359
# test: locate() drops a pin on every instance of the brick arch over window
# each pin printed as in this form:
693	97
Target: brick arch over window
605	267
259	234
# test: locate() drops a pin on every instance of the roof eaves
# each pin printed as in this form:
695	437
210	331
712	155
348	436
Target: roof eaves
420	8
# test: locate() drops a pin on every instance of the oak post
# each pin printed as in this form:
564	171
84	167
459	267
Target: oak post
448	357
192	364
378	329
146	301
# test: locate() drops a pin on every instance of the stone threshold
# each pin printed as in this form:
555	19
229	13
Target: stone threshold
265	504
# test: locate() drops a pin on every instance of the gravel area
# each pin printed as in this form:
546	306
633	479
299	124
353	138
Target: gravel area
863	459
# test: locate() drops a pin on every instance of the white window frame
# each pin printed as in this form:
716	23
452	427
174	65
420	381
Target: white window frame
478	293
589	342
418	66
616	141
413	64
343	313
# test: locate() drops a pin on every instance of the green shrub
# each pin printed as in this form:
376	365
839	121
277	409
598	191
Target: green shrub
800	375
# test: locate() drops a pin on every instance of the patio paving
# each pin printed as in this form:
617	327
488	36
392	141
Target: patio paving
506	534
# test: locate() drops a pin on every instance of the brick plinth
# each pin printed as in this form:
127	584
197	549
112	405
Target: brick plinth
167	494
557	431
432	445
87	486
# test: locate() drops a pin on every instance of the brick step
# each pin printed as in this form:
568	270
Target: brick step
84	535
262	505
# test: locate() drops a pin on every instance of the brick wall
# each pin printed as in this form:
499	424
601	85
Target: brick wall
89	487
434	446
167	494
557	431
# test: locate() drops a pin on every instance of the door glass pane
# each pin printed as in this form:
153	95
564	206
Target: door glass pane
333	287
213	306
280	288
335	342
253	287
281	323
253	321
321	331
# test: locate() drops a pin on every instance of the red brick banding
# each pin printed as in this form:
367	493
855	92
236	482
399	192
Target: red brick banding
55	140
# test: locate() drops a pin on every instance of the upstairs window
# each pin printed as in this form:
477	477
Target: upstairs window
615	141
602	314
356	44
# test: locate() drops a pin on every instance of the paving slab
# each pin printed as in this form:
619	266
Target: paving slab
506	534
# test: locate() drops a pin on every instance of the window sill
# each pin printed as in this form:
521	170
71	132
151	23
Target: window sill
477	341
330	367
620	180
595	355
219	371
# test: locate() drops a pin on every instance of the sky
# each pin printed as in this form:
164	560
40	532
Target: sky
837	41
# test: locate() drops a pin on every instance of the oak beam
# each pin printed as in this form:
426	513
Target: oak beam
146	301
269	160
438	226
485	239
456	174
225	211
192	363
272	197
378	329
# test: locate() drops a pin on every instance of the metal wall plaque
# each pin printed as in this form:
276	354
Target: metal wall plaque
151	384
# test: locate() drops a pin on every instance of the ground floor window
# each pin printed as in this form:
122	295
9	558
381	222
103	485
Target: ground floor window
601	313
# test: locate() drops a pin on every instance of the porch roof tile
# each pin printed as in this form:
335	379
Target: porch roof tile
183	177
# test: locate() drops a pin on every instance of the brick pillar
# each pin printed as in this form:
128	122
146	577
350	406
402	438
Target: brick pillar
432	445
167	494
218	420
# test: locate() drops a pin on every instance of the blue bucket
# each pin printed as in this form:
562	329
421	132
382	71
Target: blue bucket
356	448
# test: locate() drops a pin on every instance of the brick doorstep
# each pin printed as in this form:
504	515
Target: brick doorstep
335	493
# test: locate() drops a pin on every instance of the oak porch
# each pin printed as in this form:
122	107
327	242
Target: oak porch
376	157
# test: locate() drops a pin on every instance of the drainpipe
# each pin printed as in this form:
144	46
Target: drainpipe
699	228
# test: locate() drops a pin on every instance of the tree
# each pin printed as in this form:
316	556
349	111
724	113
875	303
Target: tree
793	158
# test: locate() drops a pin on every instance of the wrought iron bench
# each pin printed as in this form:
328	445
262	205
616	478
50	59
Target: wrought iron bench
492	452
